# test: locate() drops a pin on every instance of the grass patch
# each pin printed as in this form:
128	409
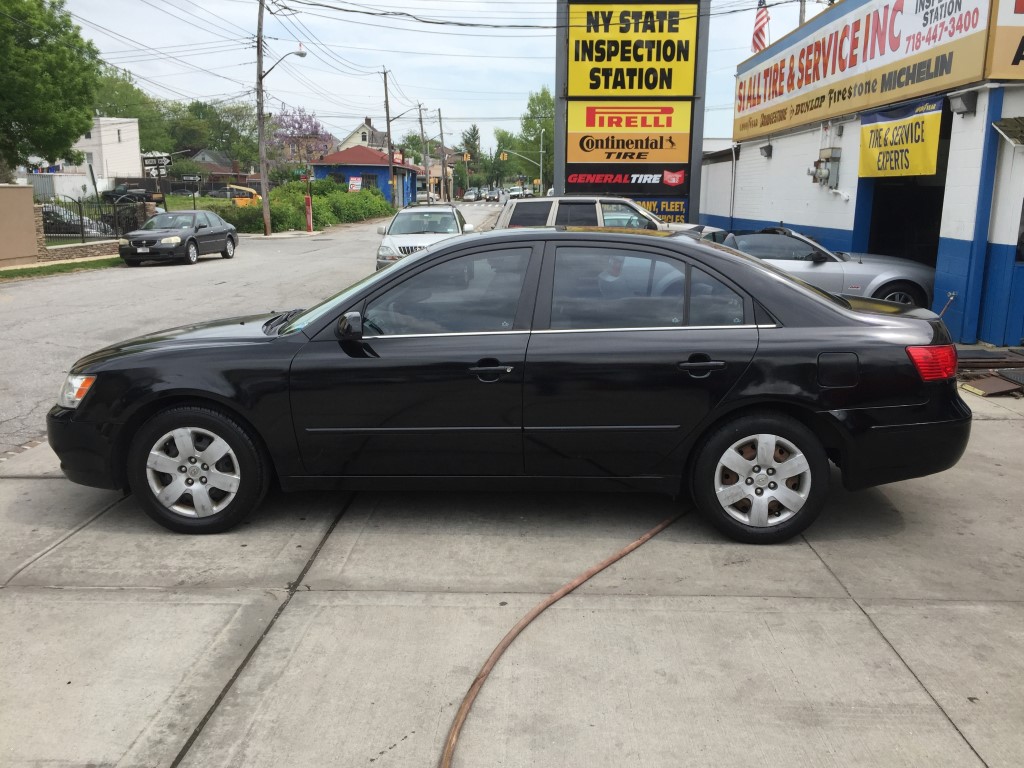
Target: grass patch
59	268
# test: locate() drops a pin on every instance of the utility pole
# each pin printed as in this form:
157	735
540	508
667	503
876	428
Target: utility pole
391	154
543	189
803	12
426	153
445	192
260	138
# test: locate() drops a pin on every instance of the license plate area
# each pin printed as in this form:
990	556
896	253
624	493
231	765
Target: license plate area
142	249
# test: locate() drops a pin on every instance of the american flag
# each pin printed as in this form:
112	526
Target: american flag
760	40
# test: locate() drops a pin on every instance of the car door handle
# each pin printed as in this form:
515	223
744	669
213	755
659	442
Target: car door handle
490	369
700	366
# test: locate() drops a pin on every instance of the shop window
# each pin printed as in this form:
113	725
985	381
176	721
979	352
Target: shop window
369	181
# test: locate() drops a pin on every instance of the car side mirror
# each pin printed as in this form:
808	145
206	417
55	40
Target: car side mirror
818	257
350	326
201	226
382	230
468	228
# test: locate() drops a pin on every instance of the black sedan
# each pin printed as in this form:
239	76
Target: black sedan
179	235
524	358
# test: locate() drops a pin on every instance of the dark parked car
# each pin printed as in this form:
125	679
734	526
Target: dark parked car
574	359
123	193
184	235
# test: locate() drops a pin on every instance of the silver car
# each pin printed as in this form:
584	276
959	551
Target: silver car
414	228
859	274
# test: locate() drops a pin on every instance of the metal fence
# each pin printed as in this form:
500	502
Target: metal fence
66	220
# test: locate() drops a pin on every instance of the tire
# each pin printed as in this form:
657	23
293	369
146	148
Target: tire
727	459
228	490
901	292
229	249
191	252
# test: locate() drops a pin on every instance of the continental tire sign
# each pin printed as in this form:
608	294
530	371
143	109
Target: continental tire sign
630	87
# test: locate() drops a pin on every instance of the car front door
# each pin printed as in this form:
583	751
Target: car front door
206	234
434	387
631	349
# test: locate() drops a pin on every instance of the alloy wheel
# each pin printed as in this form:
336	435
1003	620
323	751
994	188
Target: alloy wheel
762	480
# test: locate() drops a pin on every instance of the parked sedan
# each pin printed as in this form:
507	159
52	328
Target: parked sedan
184	235
413	229
858	274
560	358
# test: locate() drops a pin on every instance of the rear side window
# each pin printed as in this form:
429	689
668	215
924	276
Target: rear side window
530	214
780	247
576	214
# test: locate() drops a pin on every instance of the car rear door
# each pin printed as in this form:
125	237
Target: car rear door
434	387
632	348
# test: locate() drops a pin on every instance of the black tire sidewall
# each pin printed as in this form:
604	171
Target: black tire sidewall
718	441
188	252
905	287
229	249
251	466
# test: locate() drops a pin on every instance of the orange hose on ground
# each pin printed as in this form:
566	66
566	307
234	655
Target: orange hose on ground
537	610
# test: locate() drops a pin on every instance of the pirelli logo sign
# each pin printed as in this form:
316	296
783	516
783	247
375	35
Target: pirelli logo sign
629	132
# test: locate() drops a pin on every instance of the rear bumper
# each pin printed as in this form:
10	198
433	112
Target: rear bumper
85	450
890	444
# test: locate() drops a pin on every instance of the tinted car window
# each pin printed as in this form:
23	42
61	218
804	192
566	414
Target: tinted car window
530	214
203	218
171	221
781	247
712	302
470	294
616	288
576	214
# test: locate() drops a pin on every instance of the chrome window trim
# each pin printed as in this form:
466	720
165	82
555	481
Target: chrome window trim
575	330
441	335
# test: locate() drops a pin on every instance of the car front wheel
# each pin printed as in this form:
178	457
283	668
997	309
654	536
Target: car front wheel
229	249
196	470
191	252
761	479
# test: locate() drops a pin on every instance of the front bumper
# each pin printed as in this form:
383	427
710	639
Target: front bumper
86	450
152	253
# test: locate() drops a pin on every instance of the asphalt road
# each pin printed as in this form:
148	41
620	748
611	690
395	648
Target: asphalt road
46	324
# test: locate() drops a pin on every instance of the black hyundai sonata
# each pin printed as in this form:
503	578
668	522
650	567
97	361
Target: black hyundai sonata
528	358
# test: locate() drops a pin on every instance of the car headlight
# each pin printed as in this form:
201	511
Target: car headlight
76	386
174	240
386	252
122	241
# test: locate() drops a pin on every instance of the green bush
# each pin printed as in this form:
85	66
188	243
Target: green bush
331	205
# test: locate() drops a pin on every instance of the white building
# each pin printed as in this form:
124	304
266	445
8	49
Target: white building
111	147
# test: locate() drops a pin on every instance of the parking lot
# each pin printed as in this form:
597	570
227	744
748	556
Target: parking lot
344	629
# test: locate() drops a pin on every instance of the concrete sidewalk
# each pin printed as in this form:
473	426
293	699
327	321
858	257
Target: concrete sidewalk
343	630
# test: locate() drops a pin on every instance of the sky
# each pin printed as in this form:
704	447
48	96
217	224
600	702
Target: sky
483	75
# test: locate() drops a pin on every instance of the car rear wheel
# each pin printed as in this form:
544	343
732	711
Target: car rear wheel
761	479
901	292
195	470
229	249
191	252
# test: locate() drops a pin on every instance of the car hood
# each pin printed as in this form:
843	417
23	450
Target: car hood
878	260
234	330
423	239
151	234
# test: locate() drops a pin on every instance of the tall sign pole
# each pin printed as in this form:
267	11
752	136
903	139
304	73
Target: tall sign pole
629	115
260	119
445	192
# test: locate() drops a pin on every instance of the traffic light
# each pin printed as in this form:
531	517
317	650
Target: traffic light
503	156
465	156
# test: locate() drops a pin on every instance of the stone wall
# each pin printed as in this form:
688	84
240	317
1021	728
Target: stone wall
79	251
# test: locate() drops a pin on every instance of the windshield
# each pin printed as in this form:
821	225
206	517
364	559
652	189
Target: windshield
424	222
344	296
171	221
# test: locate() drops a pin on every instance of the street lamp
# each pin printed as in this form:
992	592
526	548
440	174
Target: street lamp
261	138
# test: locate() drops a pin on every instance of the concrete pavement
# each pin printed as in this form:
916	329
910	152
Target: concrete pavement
343	630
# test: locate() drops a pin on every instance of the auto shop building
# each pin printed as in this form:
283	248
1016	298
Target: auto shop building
894	127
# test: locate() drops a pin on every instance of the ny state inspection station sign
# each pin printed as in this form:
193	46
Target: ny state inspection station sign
630	86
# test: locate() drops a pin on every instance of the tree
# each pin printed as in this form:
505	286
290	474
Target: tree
49	83
118	96
299	137
540	114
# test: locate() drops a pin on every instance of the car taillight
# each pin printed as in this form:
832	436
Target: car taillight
934	363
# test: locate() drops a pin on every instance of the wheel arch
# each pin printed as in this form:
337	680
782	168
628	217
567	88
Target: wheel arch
825	429
151	408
